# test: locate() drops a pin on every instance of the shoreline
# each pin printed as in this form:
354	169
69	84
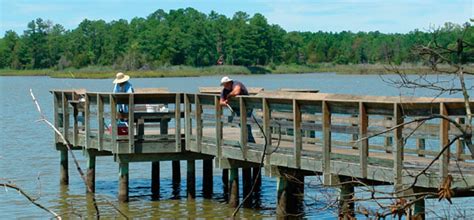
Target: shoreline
98	72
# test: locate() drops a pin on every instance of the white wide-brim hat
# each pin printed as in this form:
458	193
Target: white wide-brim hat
225	79
121	78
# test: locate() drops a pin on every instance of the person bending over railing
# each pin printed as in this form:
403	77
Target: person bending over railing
232	88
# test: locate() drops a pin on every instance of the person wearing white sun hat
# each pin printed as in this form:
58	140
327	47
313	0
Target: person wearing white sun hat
122	85
231	89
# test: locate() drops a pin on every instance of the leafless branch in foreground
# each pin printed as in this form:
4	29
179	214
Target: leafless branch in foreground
78	168
32	200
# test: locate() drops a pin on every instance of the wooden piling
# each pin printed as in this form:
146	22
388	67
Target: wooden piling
176	167
234	187
290	192
225	183
191	179
64	174
155	180
282	197
91	158
256	174
123	182
298	194
155	167
346	206
247	186
419	209
207	182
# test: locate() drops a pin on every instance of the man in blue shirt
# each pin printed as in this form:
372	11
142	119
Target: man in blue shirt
231	89
122	85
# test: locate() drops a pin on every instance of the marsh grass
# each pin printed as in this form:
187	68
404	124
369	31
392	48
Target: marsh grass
99	72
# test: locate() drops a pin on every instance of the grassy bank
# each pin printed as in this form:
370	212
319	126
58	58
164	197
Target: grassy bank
109	72
186	71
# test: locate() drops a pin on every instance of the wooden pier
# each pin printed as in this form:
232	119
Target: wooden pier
306	134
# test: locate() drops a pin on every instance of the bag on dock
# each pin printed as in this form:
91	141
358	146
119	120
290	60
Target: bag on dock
122	128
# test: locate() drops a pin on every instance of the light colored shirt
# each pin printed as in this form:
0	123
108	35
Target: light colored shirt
127	88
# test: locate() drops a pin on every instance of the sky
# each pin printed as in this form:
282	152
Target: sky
386	16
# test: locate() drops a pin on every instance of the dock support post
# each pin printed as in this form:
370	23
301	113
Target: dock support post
346	206
176	167
64	178
176	182
256	174
234	187
191	179
225	183
282	196
91	158
207	182
123	182
419	208
155	180
290	192
247	186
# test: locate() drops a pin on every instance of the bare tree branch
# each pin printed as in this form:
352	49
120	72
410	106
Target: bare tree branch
32	200
78	168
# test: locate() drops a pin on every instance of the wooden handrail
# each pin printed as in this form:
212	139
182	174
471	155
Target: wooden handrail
443	141
330	118
363	144
100	120
131	124
199	127
188	121
298	142
243	127
177	119
326	142
397	146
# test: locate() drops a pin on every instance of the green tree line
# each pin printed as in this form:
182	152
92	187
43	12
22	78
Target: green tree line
189	37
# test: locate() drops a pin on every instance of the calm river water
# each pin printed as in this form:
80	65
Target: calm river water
29	160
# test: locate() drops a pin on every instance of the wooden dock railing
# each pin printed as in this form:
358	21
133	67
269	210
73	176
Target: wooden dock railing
310	132
94	128
318	134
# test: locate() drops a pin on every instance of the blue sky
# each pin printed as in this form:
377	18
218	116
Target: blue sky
387	16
